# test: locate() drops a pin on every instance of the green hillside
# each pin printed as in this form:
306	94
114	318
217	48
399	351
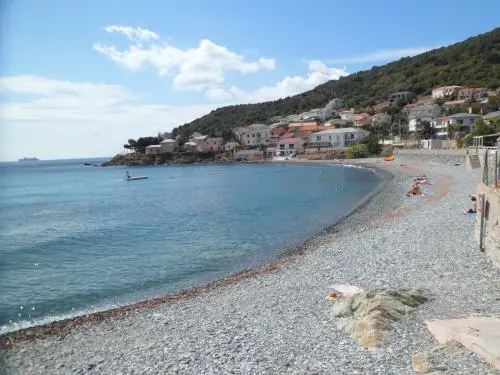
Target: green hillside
474	62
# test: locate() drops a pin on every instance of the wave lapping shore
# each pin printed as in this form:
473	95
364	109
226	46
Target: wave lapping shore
281	322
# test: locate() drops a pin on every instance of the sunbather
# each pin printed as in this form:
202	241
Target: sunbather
415	190
473	209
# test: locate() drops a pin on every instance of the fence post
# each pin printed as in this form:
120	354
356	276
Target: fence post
497	170
485	169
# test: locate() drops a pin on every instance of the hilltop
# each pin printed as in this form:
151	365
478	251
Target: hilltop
474	62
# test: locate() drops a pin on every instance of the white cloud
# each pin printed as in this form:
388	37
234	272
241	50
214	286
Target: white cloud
290	85
198	69
382	55
218	95
136	34
50	118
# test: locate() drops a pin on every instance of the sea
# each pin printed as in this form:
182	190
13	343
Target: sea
76	239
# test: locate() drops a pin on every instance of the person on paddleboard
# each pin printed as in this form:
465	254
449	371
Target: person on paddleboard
127	175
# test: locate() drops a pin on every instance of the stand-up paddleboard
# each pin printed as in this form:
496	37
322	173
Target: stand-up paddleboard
136	178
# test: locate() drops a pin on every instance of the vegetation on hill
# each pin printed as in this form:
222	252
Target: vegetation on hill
474	62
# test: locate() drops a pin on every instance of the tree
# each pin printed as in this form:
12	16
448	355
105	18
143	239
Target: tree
425	130
486	128
372	144
131	145
141	143
238	147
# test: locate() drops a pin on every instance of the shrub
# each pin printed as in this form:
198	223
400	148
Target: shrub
372	145
357	151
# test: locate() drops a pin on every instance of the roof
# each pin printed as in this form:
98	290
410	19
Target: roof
336	121
288	135
305	133
492	116
278	131
168	141
460	115
257	126
288	140
339	131
201	137
448	87
454	102
300	124
312	127
472	89
153	146
190	144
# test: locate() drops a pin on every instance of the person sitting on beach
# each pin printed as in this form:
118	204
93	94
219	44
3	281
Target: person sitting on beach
415	190
472	210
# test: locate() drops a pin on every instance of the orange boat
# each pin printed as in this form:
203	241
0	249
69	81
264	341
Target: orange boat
389	158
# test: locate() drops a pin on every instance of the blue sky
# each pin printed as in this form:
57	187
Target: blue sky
77	79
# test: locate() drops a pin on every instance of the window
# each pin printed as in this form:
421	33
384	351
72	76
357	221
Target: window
318	138
329	137
282	147
352	135
291	146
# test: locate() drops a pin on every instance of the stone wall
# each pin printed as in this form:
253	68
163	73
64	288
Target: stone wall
451	157
489	221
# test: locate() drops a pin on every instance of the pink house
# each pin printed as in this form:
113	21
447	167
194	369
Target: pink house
215	144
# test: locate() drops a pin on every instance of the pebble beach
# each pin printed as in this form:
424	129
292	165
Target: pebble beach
277	320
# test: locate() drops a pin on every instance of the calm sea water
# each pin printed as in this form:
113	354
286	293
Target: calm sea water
75	239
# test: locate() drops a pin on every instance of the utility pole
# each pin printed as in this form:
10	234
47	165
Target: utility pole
399	129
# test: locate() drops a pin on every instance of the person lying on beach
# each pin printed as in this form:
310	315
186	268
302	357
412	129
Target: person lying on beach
415	190
472	210
420	178
422	183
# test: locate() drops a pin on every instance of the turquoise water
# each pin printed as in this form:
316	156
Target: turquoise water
75	239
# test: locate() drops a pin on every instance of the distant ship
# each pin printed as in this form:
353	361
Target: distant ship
28	159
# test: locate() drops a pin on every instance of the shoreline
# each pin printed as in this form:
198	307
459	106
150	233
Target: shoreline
281	321
288	255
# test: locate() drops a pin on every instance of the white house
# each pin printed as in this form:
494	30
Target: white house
337	138
153	149
169	145
253	135
444	91
289	146
421	113
465	120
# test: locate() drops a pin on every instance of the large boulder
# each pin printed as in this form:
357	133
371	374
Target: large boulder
371	314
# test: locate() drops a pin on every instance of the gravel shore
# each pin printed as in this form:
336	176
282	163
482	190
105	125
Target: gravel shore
280	322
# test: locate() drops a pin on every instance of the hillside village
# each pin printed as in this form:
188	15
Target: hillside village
446	119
